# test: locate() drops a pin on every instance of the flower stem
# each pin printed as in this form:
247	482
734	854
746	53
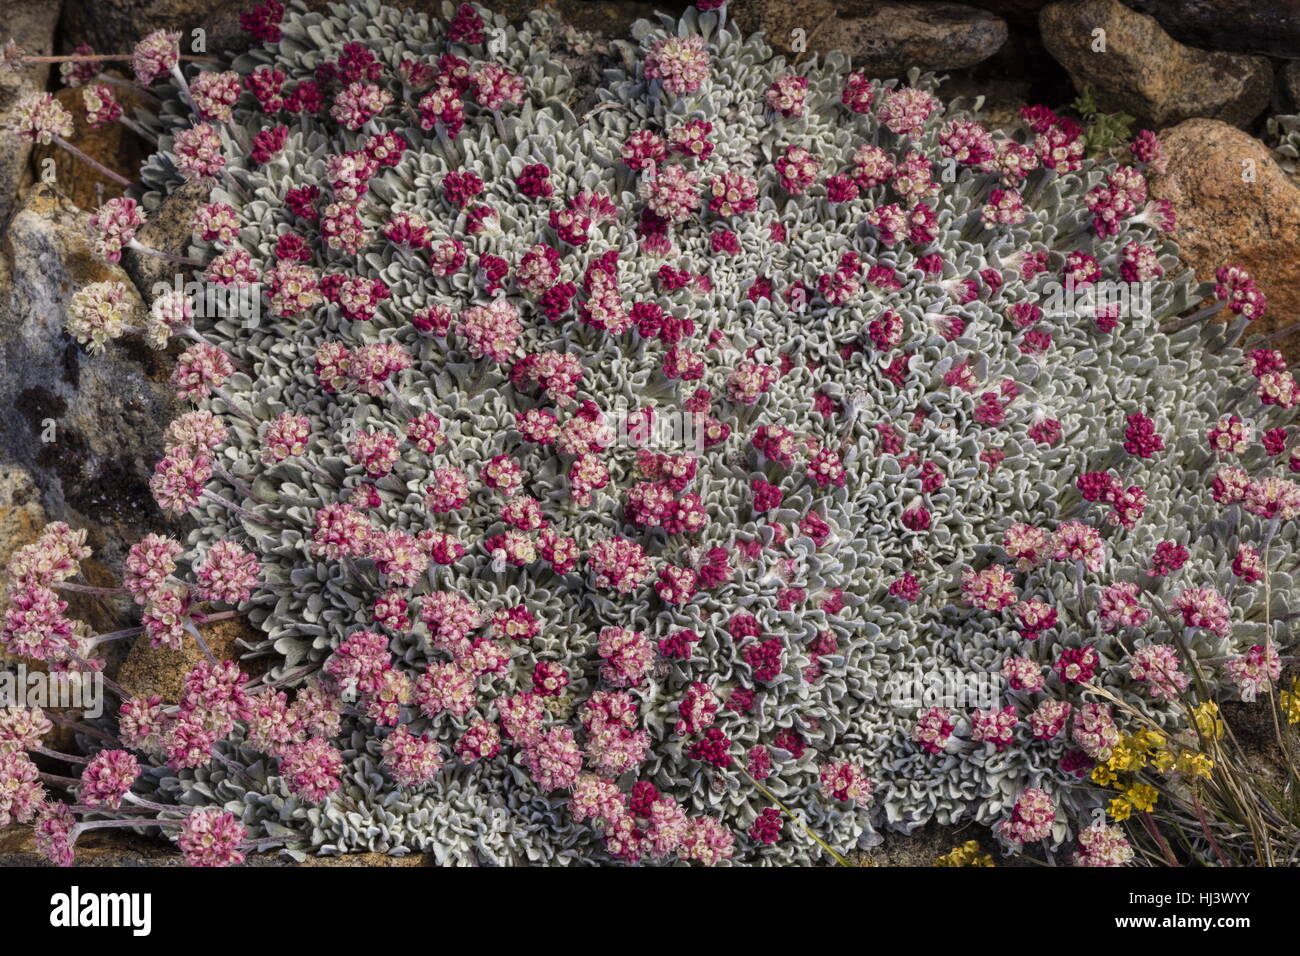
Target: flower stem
166	256
103	170
87	589
233	407
81	728
139	130
201	618
66	758
115	635
184	85
241	511
140	801
1200	315
790	813
127	85
203	645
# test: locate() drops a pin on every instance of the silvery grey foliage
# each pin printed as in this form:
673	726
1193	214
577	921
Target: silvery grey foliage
843	703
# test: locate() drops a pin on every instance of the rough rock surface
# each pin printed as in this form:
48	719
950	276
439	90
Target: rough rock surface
1148	74
1019	12
21	519
105	414
117	24
1261	748
31	25
161	670
21	514
15	152
1222	218
107	848
104	848
1251	26
370	859
926	844
884	38
1003	99
121	848
113	145
613	18
168	230
1291	80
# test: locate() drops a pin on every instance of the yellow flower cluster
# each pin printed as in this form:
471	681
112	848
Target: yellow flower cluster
1149	750
1208	721
1291	702
968	854
1131	754
1140	796
1119	809
1192	765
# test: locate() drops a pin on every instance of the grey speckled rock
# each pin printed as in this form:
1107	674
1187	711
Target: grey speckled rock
108	412
15	152
1248	26
1291	80
167	230
1222	218
21	515
884	38
1147	73
118	24
1019	12
31	24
